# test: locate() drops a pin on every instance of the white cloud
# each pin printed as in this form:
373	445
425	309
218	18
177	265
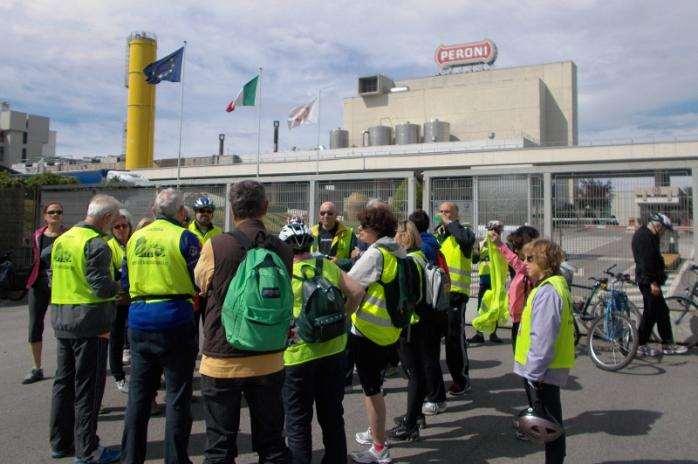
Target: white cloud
66	60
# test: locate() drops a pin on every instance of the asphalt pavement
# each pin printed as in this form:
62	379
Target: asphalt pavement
643	414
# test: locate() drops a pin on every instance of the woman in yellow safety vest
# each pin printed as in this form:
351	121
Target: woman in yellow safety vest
372	334
413	355
545	344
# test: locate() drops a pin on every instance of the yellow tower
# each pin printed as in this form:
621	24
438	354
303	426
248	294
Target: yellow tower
140	118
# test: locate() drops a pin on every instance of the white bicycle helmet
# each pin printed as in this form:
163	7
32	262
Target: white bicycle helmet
536	423
296	234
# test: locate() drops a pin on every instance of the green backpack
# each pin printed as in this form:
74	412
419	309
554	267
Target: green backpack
322	315
258	306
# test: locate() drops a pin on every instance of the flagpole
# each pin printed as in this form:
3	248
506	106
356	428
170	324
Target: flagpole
259	119
319	120
181	112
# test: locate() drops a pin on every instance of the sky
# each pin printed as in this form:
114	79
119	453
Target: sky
637	62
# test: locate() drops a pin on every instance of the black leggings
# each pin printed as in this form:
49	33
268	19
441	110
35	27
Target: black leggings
117	340
549	395
39	299
414	360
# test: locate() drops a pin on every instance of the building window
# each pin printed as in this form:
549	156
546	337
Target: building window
24	138
24	155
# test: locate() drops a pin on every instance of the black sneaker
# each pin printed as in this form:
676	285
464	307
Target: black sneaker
494	338
456	389
421	421
404	433
477	338
34	375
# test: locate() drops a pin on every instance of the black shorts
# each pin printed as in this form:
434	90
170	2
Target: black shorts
371	361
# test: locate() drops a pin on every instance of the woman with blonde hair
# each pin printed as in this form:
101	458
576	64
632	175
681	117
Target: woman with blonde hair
411	343
544	351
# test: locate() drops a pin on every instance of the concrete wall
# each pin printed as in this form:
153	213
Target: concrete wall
539	102
39	141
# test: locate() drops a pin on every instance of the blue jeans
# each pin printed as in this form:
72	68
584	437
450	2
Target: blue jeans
170	350
321	382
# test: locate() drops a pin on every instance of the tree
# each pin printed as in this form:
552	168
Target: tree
49	178
593	196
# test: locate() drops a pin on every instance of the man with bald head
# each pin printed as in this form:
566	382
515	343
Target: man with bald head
332	238
457	247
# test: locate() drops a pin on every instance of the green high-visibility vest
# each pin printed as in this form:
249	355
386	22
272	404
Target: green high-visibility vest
340	247
564	343
118	251
483	265
68	266
459	267
372	318
302	352
203	238
155	263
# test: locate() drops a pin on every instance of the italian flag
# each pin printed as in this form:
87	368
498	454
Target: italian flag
246	97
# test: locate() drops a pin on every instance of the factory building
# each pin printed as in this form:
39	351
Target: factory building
534	105
24	137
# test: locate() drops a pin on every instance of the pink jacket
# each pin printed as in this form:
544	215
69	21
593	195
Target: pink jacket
36	253
520	284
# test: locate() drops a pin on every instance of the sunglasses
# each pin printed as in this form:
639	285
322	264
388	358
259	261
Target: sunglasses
206	211
529	258
55	212
121	226
326	213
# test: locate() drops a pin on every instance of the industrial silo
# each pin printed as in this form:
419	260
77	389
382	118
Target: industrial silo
380	135
140	115
436	131
339	138
406	133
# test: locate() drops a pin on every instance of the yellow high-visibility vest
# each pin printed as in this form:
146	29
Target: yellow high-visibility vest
372	318
68	266
564	343
459	266
302	352
155	263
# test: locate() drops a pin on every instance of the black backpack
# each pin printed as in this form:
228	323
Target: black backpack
403	293
322	315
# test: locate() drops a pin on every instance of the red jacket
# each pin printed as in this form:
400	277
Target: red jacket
36	253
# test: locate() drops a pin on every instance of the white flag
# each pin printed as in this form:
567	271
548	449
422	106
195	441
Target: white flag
302	114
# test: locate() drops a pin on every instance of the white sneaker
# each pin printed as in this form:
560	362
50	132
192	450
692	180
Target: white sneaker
365	438
126	357
371	455
122	386
674	349
645	351
430	408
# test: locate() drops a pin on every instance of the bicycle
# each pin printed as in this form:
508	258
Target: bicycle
686	303
11	283
612	333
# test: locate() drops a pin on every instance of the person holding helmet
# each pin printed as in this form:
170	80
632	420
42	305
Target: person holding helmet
314	369
650	275
544	351
483	271
202	226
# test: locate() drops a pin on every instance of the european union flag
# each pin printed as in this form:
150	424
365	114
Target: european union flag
165	69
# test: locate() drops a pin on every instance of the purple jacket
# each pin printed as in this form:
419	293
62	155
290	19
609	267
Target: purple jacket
36	253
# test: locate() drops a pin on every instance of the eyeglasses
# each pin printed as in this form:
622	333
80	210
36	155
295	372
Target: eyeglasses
205	211
326	213
529	258
55	212
121	226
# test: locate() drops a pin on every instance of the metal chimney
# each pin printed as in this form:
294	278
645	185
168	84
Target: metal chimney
221	144
276	136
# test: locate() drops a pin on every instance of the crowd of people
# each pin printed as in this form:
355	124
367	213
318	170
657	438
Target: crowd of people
288	320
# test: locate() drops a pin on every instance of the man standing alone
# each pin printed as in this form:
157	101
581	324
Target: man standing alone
650	275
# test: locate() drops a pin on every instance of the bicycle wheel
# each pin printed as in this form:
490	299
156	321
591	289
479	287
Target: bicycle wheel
680	309
16	294
612	342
